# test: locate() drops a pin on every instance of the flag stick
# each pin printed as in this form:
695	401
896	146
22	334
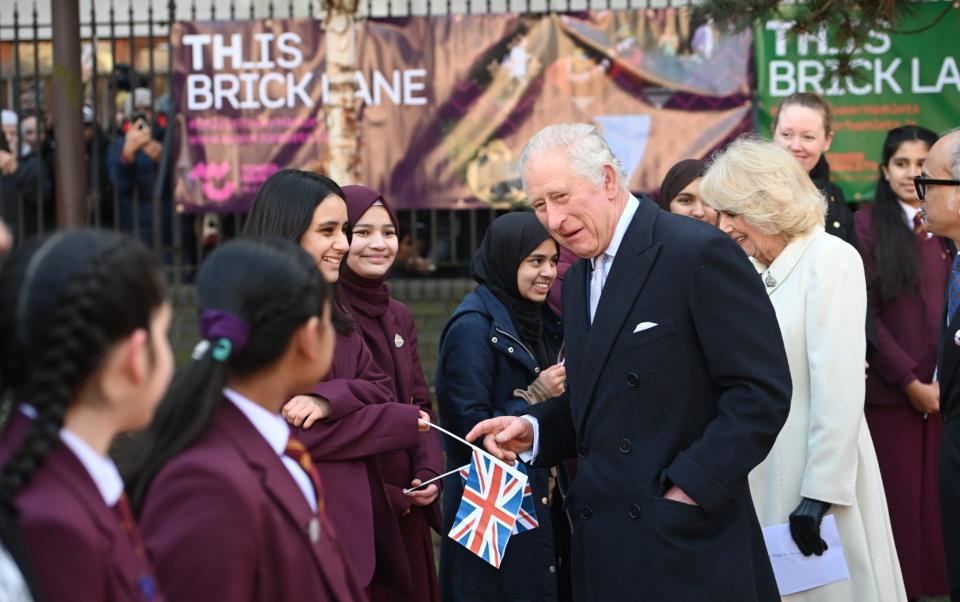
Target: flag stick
496	460
427	482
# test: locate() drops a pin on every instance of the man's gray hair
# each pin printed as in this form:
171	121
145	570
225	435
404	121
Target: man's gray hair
586	148
955	153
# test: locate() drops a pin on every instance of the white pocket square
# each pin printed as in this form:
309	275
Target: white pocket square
644	326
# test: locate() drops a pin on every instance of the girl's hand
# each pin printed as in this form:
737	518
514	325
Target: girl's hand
425	496
554	379
422	421
304	410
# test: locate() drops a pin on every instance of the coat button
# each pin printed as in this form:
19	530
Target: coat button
625	446
586	512
493	340
634	511
509	349
582	450
536	370
632	379
552	569
836	225
544	500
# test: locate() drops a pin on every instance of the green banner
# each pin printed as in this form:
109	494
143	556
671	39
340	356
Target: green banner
900	78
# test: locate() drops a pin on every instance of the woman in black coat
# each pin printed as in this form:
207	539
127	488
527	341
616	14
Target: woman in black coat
804	126
499	353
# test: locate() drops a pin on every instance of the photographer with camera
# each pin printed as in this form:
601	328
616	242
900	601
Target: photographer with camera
133	165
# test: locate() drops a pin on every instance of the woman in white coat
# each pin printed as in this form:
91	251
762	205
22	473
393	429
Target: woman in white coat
823	461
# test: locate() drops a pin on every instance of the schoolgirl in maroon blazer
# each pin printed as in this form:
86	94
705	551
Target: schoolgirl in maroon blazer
231	505
310	209
83	324
387	328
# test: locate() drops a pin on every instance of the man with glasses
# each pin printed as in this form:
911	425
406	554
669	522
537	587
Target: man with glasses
938	189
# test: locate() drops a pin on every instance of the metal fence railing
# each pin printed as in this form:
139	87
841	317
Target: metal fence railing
125	46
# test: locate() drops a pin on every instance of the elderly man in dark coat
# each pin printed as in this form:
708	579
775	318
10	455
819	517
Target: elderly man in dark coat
678	386
939	193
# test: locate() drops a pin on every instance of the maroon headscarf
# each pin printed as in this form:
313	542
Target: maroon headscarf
368	299
364	295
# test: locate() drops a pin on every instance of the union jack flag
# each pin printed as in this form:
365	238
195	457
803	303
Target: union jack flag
527	517
492	497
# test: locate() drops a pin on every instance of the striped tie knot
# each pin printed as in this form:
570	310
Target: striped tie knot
298	452
124	514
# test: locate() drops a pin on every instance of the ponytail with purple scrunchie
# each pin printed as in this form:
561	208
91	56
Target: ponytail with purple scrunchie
227	331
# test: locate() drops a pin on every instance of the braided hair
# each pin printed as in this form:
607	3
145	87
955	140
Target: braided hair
64	300
271	287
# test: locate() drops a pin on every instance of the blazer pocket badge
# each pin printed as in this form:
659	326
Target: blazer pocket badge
398	341
644	326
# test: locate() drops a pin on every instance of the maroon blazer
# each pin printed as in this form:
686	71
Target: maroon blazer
407	381
907	328
390	334
225	521
79	549
364	421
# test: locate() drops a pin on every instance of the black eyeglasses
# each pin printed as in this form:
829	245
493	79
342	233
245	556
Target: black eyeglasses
921	183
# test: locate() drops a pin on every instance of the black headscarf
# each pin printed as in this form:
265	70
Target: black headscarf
678	178
509	240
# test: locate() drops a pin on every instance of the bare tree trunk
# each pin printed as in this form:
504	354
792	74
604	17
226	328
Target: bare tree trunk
342	108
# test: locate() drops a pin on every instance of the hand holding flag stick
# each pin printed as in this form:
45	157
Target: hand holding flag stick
423	422
504	436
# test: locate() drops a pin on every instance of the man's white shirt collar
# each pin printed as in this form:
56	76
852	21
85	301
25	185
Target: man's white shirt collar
625	218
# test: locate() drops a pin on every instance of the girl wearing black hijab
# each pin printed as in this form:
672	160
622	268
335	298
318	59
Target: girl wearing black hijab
498	354
680	192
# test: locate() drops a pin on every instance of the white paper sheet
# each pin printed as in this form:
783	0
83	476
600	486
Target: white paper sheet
796	572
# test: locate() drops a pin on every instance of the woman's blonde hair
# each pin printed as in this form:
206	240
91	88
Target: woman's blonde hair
766	185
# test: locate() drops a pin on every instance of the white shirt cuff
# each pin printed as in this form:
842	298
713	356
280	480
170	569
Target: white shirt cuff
530	455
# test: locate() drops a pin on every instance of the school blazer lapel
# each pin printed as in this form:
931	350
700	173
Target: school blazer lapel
629	272
274	477
127	567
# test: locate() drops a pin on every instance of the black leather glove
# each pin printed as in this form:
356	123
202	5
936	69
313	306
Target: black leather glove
805	526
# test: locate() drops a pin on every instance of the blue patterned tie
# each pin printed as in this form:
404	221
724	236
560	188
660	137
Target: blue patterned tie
953	299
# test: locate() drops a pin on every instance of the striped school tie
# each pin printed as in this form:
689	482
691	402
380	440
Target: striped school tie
297	451
146	582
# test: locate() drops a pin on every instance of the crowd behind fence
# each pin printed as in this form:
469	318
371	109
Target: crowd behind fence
126	64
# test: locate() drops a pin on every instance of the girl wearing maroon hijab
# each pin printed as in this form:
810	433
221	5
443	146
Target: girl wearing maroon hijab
388	329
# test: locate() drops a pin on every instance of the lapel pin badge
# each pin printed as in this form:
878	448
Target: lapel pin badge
770	281
314	529
398	341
